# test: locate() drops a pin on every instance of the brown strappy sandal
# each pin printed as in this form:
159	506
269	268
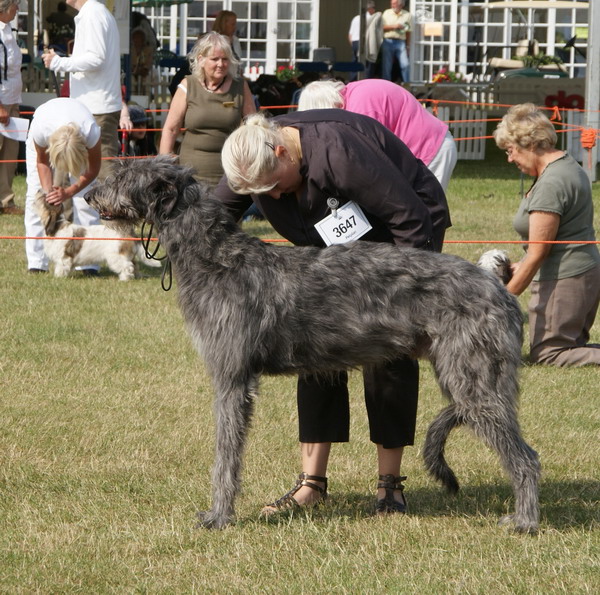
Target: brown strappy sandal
287	501
388	504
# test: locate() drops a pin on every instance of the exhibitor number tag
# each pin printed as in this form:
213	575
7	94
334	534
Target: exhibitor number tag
346	224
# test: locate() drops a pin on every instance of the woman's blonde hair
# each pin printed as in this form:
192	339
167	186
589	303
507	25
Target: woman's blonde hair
527	127
321	95
67	150
248	155
208	43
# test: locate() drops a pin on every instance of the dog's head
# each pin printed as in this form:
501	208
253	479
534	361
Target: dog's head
140	190
496	262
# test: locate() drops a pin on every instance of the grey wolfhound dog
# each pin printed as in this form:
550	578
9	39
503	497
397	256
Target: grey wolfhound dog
254	308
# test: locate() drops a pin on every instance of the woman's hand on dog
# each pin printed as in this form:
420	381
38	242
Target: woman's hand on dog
57	195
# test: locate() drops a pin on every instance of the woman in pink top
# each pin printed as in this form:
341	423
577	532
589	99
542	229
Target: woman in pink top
397	109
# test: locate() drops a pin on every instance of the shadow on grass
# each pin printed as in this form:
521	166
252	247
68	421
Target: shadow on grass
564	505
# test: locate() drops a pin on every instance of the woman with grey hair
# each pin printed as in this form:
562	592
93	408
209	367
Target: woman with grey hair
565	277
10	97
332	176
209	103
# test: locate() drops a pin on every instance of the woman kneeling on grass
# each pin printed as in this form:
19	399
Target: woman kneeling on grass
564	278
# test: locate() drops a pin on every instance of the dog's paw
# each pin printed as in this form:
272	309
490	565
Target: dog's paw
208	519
523	527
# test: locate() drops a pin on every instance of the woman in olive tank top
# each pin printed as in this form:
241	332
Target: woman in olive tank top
209	103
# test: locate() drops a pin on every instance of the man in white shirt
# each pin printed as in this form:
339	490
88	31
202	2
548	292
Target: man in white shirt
95	72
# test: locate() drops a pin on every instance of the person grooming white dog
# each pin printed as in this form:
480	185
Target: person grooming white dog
63	139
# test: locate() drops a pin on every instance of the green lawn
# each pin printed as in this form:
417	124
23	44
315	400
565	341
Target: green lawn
106	440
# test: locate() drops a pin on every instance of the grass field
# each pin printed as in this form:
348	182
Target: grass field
106	445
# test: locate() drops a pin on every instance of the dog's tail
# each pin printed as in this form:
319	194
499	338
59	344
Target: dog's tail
498	263
435	443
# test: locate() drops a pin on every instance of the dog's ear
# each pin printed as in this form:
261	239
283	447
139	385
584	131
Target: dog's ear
166	195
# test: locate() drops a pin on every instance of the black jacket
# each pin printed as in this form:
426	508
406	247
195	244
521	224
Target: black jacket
353	157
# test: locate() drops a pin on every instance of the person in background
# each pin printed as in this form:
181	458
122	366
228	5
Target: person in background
564	278
63	138
139	141
142	58
373	39
225	23
61	27
292	166
95	73
11	85
209	103
397	24
397	109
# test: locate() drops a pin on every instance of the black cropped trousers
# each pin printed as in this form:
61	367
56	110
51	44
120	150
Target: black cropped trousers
391	396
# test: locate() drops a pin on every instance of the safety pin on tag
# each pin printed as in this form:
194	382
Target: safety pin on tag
333	204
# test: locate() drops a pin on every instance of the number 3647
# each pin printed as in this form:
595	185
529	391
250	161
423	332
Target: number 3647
344	226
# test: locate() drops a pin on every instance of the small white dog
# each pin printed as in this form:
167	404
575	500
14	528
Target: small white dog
498	263
119	255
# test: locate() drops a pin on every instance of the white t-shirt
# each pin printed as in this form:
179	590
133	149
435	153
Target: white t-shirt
354	31
53	114
95	64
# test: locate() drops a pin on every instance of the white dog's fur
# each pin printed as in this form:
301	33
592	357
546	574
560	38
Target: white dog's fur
498	263
119	255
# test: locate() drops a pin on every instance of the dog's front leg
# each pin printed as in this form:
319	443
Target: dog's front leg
234	402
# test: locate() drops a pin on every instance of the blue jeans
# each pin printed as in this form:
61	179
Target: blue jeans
390	49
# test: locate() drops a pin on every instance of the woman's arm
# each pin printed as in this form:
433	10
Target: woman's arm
543	227
44	169
57	195
249	106
174	121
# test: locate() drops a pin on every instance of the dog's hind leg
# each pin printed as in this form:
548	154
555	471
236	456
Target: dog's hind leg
234	404
435	443
500	431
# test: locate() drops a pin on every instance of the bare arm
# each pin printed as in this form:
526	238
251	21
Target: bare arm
124	119
543	227
4	116
249	106
174	122
44	169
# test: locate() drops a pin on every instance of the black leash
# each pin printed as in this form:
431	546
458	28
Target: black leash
166	278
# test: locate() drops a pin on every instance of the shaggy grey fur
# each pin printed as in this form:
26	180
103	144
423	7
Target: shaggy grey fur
254	308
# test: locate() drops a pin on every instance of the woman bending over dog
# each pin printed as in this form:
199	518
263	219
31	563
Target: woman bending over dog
299	169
